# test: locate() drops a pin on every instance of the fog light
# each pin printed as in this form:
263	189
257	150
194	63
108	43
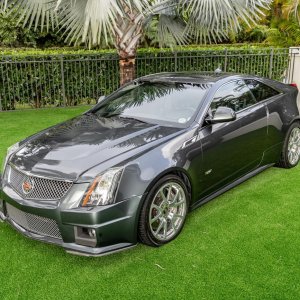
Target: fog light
92	233
85	236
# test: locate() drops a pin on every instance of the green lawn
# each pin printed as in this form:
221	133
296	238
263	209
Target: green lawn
244	244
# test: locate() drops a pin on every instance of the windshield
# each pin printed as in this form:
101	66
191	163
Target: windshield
159	103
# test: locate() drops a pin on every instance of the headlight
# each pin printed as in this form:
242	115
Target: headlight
102	191
10	151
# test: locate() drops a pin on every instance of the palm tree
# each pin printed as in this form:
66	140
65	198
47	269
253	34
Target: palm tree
123	22
278	7
285	9
291	8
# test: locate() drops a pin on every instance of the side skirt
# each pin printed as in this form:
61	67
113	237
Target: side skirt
229	186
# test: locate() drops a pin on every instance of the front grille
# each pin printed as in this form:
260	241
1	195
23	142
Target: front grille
33	223
38	188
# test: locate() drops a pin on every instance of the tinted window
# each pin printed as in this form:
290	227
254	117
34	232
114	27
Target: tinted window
260	90
235	95
158	103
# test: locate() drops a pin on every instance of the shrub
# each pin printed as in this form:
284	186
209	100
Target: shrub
50	78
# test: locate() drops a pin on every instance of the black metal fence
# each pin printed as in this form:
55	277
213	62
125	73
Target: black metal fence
69	80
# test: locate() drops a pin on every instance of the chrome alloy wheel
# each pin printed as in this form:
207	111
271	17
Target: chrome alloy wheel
294	146
167	211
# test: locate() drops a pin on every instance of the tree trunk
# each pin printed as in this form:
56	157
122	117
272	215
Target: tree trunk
127	70
277	10
127	48
128	32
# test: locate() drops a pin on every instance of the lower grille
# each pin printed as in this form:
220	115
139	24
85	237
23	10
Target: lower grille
33	223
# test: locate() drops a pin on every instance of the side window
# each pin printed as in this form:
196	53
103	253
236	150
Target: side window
235	95
259	90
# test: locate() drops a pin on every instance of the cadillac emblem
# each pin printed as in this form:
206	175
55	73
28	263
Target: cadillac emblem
27	185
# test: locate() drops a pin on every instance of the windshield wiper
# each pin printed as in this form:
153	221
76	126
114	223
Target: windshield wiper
123	117
132	118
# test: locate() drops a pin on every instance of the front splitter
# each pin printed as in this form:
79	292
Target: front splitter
71	248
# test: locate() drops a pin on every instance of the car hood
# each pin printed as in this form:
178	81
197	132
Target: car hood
71	148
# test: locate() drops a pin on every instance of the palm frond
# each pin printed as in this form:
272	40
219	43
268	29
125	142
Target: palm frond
292	9
171	31
214	19
286	33
3	5
94	20
34	13
82	20
169	24
90	20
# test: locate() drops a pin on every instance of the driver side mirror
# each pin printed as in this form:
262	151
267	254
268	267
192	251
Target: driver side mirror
222	115
101	98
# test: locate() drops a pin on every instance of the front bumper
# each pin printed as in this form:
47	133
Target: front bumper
114	226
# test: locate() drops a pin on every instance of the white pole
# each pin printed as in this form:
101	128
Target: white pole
294	69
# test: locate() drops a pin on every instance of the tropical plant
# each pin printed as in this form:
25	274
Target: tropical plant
13	34
124	22
291	8
282	23
285	33
280	26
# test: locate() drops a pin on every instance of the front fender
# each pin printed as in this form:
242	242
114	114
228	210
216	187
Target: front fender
141	173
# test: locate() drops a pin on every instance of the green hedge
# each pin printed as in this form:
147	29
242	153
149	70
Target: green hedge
73	50
45	79
56	80
266	62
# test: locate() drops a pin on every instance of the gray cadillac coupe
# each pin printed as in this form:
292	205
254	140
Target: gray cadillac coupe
131	168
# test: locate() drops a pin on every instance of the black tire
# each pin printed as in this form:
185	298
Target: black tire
284	159
145	233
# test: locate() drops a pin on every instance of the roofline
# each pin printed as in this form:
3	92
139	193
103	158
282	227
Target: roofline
191	77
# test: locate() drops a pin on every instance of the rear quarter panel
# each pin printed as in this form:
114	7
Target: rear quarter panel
282	112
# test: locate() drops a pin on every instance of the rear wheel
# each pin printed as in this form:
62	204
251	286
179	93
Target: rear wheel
290	155
164	211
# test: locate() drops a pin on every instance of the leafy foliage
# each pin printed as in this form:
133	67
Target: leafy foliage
286	33
14	34
284	23
280	26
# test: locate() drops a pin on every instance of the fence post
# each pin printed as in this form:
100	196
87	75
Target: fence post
175	56
0	104
271	63
63	90
225	62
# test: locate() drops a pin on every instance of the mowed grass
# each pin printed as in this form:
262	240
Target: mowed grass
243	244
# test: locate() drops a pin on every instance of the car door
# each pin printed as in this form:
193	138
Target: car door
274	102
232	149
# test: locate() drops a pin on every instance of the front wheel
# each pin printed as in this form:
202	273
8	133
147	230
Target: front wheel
290	155
164	211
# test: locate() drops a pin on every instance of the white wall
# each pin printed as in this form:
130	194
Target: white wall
294	72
